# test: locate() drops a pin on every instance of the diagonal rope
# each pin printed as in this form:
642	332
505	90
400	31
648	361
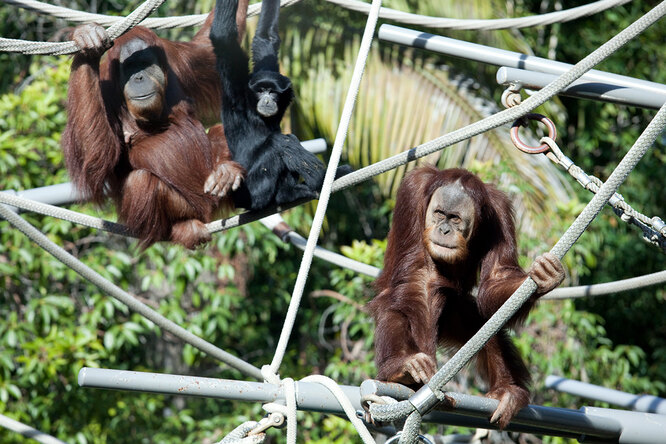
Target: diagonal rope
484	24
549	18
124	297
73	15
427	395
114	31
117	28
327	186
511	306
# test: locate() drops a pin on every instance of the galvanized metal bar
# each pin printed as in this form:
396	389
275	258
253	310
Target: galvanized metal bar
639	403
469	411
649	94
309	396
563	420
604	92
637	427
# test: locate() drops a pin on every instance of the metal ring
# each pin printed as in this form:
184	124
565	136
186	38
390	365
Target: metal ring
552	133
396	437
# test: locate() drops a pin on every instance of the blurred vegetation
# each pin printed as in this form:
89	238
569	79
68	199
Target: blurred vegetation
235	292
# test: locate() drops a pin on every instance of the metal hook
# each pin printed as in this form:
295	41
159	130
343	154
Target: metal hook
268	421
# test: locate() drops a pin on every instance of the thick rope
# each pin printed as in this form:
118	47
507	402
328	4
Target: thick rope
62	213
124	297
484	24
114	31
491	122
345	403
570	236
327	187
239	435
355	5
608	287
334	258
653	228
118	25
511	306
27	431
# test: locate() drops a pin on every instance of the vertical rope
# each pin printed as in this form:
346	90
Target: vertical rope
327	187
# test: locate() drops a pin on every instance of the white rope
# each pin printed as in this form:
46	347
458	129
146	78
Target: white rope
27	431
345	403
484	24
114	31
117	293
355	5
329	256
567	240
327	186
117	25
607	287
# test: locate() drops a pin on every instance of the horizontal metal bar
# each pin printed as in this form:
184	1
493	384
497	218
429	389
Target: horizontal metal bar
500	57
309	396
470	411
637	427
65	193
604	92
639	403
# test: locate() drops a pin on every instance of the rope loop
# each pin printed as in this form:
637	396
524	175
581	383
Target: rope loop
395	439
522	146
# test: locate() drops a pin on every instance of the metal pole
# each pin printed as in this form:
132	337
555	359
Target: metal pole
27	431
639	403
604	92
637	428
309	396
470	411
653	94
65	193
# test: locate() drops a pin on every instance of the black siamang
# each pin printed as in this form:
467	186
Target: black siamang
279	169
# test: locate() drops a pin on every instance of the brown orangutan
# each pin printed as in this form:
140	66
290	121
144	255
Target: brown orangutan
450	232
134	131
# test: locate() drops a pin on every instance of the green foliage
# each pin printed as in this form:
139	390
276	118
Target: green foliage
235	292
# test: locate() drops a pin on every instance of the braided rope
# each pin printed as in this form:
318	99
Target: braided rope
114	291
492	326
607	288
117	25
345	403
654	229
114	31
355	5
327	187
484	24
